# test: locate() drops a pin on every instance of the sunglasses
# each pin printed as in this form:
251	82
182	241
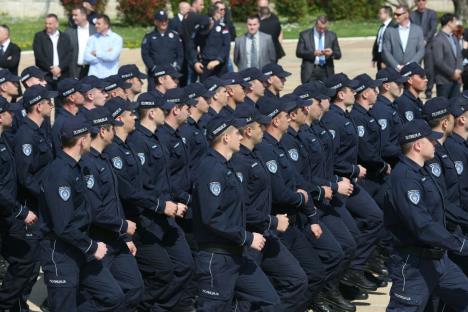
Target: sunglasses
400	14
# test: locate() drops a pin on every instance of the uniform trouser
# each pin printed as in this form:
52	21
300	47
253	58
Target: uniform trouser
217	71
299	245
369	219
77	282
166	266
284	272
226	279
449	90
151	83
415	279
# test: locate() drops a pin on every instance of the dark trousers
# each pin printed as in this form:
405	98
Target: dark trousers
449	90
319	73
166	266
415	279
224	280
82	71
465	77
429	67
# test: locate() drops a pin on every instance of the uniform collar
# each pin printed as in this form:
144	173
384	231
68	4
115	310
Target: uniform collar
170	129
334	107
411	97
292	132
360	109
382	99
31	124
144	130
68	159
248	101
269	93
458	138
118	141
270	139
191	121
410	163
217	156
244	150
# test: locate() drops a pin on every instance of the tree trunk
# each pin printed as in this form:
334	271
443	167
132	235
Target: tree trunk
461	9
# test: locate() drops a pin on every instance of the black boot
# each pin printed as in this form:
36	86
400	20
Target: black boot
358	279
319	305
380	281
332	296
353	293
377	265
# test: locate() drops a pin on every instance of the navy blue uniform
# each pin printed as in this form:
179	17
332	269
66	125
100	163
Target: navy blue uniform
458	149
110	226
409	107
220	231
61	117
275	259
67	249
197	144
420	264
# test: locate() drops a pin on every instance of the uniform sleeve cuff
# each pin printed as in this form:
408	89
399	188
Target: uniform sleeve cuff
123	227
22	212
273	223
314	217
91	250
248	239
334	187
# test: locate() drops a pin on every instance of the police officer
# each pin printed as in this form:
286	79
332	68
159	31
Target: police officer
116	87
276	79
217	101
131	74
109	224
68	253
163	253
386	113
95	96
31	76
235	87
161	47
165	78
419	264
226	274
17	273
257	82
409	104
9	87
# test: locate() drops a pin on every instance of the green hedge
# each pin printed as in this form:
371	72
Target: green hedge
139	12
292	10
242	8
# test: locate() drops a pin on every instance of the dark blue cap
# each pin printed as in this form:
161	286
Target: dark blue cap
5	75
252	73
412	69
68	86
99	117
129	71
233	79
149	100
213	83
251	114
270	106
195	90
339	81
219	124
163	70
115	82
177	96
293	101
92	2
160	15
116	106
459	105
35	94
415	130
389	74
274	69
75	126
32	71
436	108
365	82
6	106
314	90
95	82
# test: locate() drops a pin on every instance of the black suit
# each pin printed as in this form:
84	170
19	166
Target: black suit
77	71
305	50
376	55
175	24
44	55
10	58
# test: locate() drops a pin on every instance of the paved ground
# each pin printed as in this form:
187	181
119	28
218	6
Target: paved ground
356	60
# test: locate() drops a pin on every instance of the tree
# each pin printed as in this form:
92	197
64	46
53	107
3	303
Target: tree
461	9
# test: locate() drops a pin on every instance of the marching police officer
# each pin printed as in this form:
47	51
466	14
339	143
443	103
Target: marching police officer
116	87
131	74
415	217
235	87
257	81
224	272
276	78
217	102
95	95
165	77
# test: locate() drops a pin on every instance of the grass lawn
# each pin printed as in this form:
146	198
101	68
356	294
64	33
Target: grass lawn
22	30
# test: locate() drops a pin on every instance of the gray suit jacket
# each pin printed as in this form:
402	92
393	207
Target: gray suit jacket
392	51
428	22
266	50
445	61
73	35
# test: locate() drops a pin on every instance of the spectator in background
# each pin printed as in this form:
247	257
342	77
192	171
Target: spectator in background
103	49
447	58
175	23
318	47
404	43
52	51
10	53
465	59
270	24
254	49
90	6
226	18
427	19
79	36
385	17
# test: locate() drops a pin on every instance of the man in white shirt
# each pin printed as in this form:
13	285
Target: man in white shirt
385	17
176	22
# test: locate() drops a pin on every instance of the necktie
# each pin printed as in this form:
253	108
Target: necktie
321	47
253	52
1	50
380	37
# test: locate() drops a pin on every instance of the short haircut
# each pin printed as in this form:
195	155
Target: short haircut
105	18
403	7
80	8
433	123
95	134
388	9
70	142
4	26
322	19
253	16
446	18
406	147
212	9
52	15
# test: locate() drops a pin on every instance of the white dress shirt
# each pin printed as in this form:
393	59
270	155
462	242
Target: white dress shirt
54	38
317	44
404	35
248	47
5	45
83	36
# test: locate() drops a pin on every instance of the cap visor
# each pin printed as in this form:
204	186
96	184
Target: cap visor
176	75
132	106
209	94
238	122
245	84
401	79
142	76
352	84
191	102
168	106
117	123
288	107
125	85
284	74
262	119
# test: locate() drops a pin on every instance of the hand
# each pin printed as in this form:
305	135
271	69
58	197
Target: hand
131	227
283	222
258	242
101	251
93	53
211	65
345	187
198	67
31	218
305	195
328	192
131	246
362	172
318	53
328	52
316	230
171	209
457	74
181	210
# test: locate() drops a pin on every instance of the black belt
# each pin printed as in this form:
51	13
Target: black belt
320	66
435	253
222	249
83	66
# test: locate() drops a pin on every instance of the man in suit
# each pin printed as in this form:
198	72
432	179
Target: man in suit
270	24
254	49
404	43
385	16
10	53
447	58
79	36
52	51
318	47
175	23
427	19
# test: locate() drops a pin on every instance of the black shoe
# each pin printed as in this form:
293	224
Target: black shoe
45	305
377	266
352	293
380	281
319	306
358	279
332	296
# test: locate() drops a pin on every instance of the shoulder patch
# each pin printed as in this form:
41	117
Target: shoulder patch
361	131
383	123
414	196
435	169
409	115
272	166
142	158
459	166
27	149
215	188
293	154
64	192
218	28
117	163
89	181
